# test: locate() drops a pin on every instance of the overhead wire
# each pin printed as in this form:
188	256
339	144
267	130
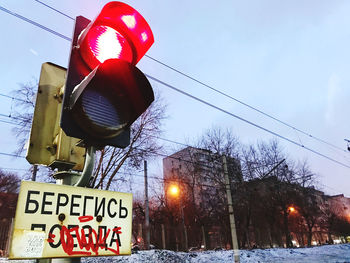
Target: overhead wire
180	159
34	23
12	155
243	103
245	120
54	9
156	153
198	184
13	98
9	122
132	174
194	97
219	91
12	117
203	164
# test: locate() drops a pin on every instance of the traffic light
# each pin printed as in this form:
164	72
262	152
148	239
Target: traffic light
105	92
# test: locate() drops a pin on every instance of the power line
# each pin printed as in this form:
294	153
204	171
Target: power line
131	174
193	162
244	120
243	103
34	23
12	155
171	141
54	9
196	98
13	117
13	98
177	179
9	122
221	92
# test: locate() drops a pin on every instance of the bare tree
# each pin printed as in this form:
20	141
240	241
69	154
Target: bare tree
143	145
220	142
9	182
308	199
22	112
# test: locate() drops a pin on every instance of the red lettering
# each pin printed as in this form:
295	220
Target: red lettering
88	243
51	237
84	219
117	231
68	242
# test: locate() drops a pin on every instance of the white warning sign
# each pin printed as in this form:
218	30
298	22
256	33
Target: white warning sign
66	221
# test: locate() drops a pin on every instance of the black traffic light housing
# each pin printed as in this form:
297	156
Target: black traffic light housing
101	103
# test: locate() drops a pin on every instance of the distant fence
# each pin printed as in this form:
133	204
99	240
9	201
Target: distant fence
173	237
5	231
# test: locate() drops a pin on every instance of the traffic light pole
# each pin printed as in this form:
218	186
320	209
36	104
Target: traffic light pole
75	179
88	167
79	179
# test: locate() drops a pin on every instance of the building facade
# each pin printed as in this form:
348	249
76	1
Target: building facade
201	197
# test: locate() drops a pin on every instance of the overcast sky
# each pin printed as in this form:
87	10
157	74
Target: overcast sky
289	59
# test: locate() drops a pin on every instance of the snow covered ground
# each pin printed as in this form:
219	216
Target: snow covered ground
327	253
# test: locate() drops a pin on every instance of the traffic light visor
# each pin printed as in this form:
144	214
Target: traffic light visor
111	98
119	31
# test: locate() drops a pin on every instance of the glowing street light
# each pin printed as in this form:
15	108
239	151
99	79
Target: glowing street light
291	209
174	190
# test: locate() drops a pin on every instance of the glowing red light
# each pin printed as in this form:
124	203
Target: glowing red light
106	43
119	31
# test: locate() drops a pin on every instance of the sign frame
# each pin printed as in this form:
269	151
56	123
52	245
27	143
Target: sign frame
59	221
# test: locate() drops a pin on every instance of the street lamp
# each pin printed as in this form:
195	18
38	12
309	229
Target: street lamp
174	191
291	209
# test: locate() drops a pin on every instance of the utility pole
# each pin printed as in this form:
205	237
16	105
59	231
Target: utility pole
163	236
203	238
147	230
184	226
230	210
35	170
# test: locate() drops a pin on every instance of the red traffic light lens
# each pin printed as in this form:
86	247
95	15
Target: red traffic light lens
106	43
119	31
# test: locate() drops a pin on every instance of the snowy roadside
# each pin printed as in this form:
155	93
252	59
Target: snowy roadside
327	253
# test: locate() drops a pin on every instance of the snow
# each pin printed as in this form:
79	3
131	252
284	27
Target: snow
327	253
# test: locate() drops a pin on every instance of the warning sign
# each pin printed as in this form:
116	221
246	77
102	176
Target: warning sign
65	221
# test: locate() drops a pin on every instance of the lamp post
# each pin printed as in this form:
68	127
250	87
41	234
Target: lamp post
174	191
290	210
